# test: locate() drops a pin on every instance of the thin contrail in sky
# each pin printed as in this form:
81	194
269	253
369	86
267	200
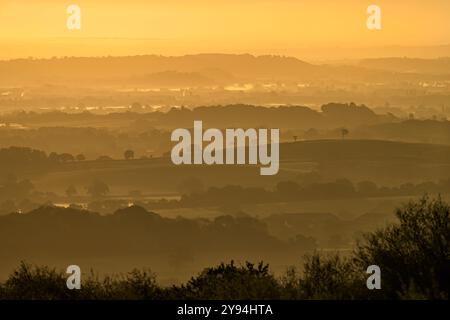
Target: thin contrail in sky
112	38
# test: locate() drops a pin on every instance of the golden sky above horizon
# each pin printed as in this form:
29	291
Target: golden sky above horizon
117	27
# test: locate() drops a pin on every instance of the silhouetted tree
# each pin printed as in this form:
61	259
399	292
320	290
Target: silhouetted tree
80	157
414	255
128	154
13	188
63	157
228	281
136	105
330	277
66	157
54	157
28	282
98	189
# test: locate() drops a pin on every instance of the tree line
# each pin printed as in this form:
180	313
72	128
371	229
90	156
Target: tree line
287	191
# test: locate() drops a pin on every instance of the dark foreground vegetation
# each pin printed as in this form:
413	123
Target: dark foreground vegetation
413	255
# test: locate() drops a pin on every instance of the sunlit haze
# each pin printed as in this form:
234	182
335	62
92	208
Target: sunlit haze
175	27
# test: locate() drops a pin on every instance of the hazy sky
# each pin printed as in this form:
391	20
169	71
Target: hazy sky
116	27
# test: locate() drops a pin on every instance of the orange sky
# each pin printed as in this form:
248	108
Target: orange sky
117	27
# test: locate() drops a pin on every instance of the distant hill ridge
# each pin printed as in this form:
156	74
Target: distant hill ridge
409	65
219	68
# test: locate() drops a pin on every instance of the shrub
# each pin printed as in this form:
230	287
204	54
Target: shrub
231	282
414	255
331	277
35	283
